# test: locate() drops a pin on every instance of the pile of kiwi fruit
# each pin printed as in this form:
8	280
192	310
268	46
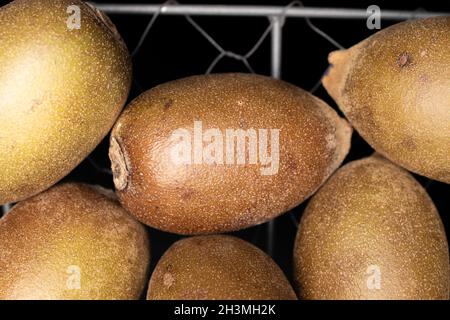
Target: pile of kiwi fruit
207	155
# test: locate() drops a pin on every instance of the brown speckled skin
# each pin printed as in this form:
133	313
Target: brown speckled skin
217	268
394	87
72	225
60	92
371	212
202	198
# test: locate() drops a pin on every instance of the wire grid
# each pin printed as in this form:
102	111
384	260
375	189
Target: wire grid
223	53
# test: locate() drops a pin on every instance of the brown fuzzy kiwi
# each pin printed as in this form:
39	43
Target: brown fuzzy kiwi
371	232
394	89
72	242
200	198
217	268
61	89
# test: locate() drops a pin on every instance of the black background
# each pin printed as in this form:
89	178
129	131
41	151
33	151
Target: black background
174	49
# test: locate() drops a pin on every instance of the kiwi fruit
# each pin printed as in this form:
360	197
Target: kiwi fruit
61	90
371	232
393	88
217	267
72	241
179	167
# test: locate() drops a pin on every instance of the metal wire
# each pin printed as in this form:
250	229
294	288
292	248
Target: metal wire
275	25
222	52
259	11
149	26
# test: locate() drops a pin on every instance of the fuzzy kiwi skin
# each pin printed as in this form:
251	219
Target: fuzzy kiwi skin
217	267
371	213
394	89
203	198
61	91
43	238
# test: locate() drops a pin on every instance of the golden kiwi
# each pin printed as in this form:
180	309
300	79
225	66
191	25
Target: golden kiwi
371	232
394	89
215	153
61	89
72	242
217	268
